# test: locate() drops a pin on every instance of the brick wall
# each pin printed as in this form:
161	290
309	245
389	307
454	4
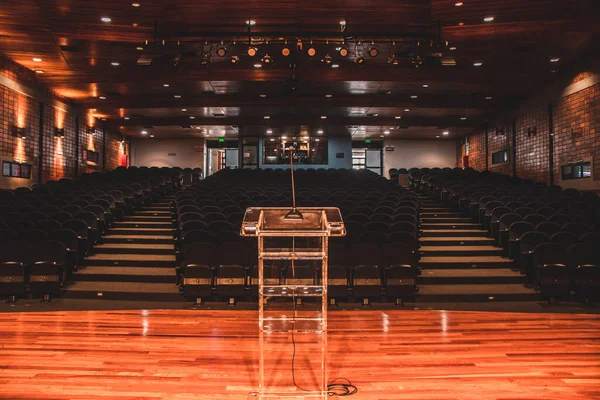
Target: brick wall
59	154
576	119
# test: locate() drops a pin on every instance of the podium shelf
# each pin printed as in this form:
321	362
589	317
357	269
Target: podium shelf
292	291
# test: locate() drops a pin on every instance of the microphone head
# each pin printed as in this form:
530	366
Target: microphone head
294	215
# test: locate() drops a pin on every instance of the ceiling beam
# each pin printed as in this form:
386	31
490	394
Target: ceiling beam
296	120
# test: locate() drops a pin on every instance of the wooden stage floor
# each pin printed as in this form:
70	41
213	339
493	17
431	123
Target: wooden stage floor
187	354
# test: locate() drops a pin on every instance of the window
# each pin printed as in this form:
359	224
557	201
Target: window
358	158
91	156
16	170
500	157
306	150
577	171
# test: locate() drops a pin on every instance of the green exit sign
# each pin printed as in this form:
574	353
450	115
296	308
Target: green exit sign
221	140
367	140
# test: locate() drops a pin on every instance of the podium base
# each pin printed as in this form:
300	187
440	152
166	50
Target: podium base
299	395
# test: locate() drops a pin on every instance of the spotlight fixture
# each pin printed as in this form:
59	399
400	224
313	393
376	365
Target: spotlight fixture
335	65
258	65
327	59
221	50
20	132
252	51
263	95
373	50
267	59
459	4
397	117
311	51
463	118
102	97
445	133
477	64
144	132
320	131
37	59
59	132
250	22
106	20
269	131
323	116
234	60
386	132
285	51
115	64
488	19
359	61
343	51
554	60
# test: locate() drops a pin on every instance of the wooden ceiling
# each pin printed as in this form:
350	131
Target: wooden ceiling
77	51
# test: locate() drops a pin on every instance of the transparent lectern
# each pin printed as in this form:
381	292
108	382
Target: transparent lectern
296	242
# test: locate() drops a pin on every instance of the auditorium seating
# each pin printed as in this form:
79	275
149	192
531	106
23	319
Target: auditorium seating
540	227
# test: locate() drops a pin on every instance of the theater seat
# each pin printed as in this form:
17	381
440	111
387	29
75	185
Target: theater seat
551	262
47	269
366	283
400	283
14	255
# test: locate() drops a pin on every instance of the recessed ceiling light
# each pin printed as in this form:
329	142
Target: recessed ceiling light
323	116
144	132
463	118
406	109
139	48
459	4
380	135
102	98
192	117
37	59
477	64
39	71
398	117
263	95
488	19
414	96
151	136
184	109
437	137
266	117
283	137
177	96
115	64
461	24
445	133
269	131
165	84
320	131
452	48
135	4
105	19
488	98
425	85
305	137
553	60
272	140
251	22
127	118
258	65
328	95
335	65
386	132
343	22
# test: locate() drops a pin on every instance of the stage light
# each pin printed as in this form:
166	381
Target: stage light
267	59
269	131
37	59
343	51
320	131
263	95
252	51
258	65
488	19
359	61
221	50
106	20
373	50
398	117
234	60
311	52
445	133
144	132
335	65
477	64
554	60
115	64
251	22
285	51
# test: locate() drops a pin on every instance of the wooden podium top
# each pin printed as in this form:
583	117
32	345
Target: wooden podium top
270	221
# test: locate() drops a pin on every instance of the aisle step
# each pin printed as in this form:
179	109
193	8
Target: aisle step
132	291
476	293
127	249
470	276
143	224
126	274
449	225
456	241
143	260
432	250
458	262
453	232
445	220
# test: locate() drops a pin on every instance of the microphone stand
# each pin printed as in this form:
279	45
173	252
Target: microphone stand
294	214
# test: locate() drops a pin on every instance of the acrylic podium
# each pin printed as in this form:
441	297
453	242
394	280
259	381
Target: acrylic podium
298	245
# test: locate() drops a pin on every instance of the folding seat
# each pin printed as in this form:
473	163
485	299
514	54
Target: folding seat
232	209
585	269
213	217
71	241
486	213
403	227
385	218
47	269
408	203
529	241
93	228
377	237
552	265
49	209
20	226
377	226
235	218
219	226
72	209
577	228
14	259
410	218
138	194
61	216
98	211
9	217
516	230
535	205
337	283
300	273
115	211
504	224
592	238
535	219
513	205
33	235
81	230
232	261
524	211
26	209
565	239
407	210
226	237
400	279
549	228
358	217
48	225
494	222
560	219
362	210
406	238
106	208
366	276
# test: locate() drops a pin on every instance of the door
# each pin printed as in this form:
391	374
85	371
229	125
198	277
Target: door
373	161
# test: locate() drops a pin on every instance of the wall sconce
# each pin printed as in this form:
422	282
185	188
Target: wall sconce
532	131
20	132
59	132
90	130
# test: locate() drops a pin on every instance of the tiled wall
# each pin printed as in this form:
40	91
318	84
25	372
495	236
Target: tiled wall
20	102
576	119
